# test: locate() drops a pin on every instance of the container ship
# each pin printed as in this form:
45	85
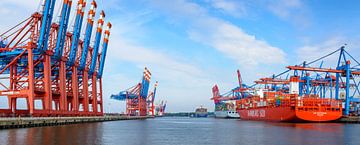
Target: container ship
288	106
201	112
226	109
225	104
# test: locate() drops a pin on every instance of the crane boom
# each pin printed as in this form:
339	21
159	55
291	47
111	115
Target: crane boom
65	14
76	33
46	25
321	69
88	32
145	83
104	50
97	42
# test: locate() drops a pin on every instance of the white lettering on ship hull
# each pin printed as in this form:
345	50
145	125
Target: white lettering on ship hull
320	113
256	113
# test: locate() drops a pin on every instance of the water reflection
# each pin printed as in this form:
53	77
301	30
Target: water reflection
164	131
321	127
70	134
307	133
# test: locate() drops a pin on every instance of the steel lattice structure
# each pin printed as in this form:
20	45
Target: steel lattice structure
42	60
339	81
233	94
139	102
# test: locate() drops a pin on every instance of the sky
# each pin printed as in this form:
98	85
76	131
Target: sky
191	45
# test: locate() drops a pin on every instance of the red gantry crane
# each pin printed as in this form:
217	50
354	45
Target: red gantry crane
44	62
136	96
234	94
221	101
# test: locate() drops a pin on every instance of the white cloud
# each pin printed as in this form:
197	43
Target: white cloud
179	80
294	11
283	8
238	45
28	5
232	8
132	52
227	38
15	11
313	51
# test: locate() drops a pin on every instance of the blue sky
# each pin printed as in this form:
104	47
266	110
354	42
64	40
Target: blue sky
190	45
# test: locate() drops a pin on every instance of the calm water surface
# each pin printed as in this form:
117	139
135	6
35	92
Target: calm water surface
186	131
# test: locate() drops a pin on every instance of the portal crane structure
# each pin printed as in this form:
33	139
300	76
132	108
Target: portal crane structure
341	77
337	80
233	94
39	61
136	96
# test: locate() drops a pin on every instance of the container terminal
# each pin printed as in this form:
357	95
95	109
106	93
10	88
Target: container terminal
314	91
42	60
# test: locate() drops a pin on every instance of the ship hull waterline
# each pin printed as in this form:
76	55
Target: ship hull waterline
287	114
227	114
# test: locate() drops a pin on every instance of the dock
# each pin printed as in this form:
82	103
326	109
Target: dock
24	122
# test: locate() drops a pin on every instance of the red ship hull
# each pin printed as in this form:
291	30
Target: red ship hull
288	114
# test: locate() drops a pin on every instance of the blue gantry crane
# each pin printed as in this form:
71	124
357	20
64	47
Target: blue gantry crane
340	81
46	25
95	50
136	96
39	61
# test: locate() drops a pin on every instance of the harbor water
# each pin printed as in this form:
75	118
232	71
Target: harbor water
186	131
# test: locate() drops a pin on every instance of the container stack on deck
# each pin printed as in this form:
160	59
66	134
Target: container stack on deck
225	103
43	61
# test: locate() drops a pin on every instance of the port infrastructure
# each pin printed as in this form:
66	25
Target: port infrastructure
139	102
334	76
44	61
160	108
234	94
